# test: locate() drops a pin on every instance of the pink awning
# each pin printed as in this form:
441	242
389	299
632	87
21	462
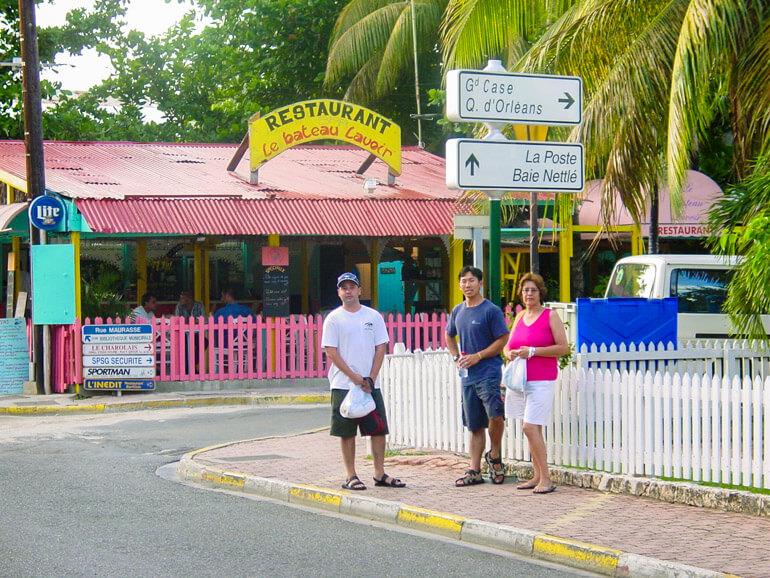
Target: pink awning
700	193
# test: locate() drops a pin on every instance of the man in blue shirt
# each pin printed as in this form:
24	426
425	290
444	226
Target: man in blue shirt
481	327
231	309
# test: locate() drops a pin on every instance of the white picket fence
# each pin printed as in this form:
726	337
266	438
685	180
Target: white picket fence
688	426
718	357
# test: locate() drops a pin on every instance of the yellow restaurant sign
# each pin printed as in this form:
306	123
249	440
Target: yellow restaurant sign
323	119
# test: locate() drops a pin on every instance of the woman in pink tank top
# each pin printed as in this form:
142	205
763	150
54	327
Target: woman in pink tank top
538	336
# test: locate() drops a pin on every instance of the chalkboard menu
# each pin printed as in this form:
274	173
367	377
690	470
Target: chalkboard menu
275	287
14	355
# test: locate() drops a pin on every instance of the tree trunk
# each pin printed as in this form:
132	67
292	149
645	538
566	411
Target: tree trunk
654	213
534	257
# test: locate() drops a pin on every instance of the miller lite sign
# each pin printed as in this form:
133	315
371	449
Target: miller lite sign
46	212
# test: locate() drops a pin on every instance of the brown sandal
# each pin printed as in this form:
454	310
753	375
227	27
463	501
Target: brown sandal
471	478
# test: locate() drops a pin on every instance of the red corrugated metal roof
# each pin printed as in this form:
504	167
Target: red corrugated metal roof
107	170
387	217
186	188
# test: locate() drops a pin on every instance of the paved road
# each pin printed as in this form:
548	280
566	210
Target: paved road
81	496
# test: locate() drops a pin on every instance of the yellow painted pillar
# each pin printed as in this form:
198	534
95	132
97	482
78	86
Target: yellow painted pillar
637	242
141	269
456	247
75	240
206	278
198	275
16	248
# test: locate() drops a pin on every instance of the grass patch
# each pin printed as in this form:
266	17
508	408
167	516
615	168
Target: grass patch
722	486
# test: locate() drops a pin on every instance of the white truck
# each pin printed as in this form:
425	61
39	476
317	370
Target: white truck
699	282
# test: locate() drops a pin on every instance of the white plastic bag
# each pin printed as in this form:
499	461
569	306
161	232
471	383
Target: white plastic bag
357	403
515	374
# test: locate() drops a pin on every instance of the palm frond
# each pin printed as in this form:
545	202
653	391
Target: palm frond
713	35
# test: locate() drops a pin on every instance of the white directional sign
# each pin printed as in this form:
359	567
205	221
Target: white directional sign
119	360
480	96
118	348
112	372
514	165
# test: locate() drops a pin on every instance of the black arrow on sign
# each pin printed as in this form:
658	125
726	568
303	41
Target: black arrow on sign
473	162
569	100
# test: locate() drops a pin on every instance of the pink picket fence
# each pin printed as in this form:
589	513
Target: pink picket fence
209	349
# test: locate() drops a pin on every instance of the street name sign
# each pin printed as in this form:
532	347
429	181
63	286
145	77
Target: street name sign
482	96
117	333
514	165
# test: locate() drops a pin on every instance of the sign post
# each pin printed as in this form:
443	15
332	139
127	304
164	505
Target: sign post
495	165
118	357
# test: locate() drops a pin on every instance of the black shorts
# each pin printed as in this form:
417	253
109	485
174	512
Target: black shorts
344	427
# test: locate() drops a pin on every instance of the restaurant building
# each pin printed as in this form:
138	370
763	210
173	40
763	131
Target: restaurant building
163	217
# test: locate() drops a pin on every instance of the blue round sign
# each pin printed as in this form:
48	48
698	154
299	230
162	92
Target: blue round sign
46	212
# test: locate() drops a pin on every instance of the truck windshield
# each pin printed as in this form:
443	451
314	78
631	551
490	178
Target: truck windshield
632	280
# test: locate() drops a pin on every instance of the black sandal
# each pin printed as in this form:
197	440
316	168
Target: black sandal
471	478
354	483
389	481
494	473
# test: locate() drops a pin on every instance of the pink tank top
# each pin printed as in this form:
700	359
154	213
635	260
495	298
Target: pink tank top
536	335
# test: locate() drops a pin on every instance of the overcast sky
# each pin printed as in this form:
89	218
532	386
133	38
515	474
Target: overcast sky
152	17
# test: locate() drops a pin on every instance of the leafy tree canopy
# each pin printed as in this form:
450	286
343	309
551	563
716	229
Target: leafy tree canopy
206	80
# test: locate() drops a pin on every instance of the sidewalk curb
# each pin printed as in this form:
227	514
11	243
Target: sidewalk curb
687	493
121	406
606	561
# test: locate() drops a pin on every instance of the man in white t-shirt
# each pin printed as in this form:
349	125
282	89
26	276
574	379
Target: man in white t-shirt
145	313
355	340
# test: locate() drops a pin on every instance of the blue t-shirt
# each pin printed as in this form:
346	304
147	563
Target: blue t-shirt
233	310
478	327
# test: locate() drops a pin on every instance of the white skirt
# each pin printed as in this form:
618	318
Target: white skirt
533	405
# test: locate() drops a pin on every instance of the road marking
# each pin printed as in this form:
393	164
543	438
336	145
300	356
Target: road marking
578	513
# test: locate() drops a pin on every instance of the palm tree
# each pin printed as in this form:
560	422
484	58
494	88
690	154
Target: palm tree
372	46
474	31
655	74
740	224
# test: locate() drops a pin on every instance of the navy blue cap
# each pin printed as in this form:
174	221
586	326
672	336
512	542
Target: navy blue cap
347	277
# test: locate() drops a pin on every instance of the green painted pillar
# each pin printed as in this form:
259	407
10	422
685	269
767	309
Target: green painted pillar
493	279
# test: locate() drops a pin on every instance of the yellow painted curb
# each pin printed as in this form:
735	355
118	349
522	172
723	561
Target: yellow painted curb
53	409
445	524
577	554
223	478
307	398
319	497
167	403
218	401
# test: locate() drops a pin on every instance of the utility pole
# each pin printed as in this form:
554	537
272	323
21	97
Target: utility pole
33	142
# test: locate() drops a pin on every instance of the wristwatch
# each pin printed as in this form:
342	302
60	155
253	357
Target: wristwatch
456	357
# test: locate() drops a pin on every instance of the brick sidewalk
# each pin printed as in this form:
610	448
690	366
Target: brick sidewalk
725	542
